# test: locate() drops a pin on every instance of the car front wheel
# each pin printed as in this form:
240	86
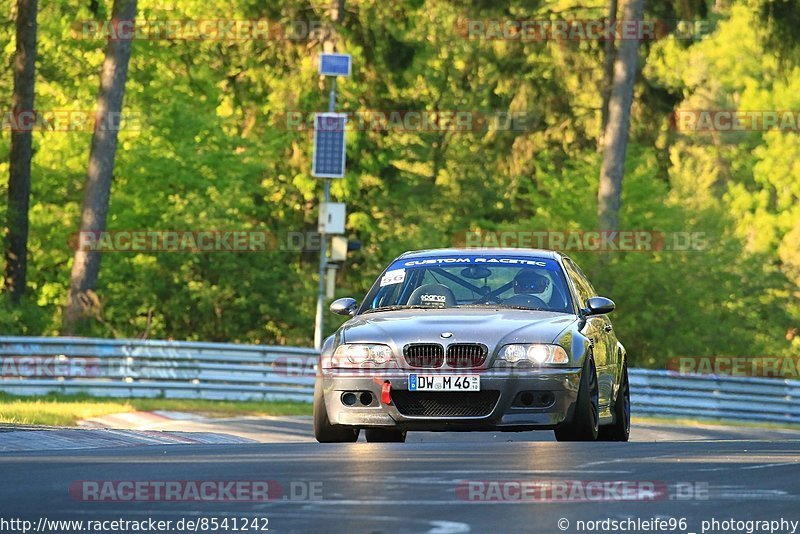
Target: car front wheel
324	431
620	430
585	420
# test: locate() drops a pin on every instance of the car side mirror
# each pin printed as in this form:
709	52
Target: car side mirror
345	306
599	306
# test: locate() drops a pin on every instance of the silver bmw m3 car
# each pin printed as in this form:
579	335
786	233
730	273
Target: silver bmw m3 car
466	339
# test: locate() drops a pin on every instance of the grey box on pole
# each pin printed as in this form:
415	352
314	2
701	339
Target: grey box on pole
338	248
332	217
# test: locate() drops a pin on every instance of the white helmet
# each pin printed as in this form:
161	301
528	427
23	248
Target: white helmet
536	282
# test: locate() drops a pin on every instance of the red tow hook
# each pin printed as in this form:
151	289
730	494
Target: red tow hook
386	393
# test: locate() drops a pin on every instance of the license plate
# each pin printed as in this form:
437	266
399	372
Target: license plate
444	382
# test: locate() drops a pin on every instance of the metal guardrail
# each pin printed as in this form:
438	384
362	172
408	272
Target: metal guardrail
179	369
169	369
731	398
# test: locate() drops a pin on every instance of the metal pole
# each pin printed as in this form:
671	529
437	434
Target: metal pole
319	322
332	96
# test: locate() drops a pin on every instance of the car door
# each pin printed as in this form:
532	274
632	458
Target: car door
600	331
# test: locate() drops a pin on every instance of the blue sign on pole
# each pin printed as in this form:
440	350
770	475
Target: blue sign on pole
329	147
335	64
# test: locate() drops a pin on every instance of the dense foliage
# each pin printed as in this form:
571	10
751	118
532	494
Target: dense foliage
214	152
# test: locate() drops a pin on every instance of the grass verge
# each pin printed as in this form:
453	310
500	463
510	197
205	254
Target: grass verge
66	410
699	421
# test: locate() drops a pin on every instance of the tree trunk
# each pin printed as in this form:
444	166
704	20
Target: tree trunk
616	134
337	10
83	302
336	13
19	180
608	70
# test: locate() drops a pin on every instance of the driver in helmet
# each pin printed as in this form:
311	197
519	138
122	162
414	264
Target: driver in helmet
534	283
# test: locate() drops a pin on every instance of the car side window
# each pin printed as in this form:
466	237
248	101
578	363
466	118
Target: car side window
582	285
585	280
385	295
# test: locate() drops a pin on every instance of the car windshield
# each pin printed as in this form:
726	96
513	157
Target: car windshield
486	281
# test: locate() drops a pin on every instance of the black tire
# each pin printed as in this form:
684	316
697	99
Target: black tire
324	431
620	430
385	435
585	420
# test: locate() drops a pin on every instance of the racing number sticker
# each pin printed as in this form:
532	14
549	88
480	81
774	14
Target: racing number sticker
395	276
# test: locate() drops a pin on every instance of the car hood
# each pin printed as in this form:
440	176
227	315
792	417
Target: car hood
490	326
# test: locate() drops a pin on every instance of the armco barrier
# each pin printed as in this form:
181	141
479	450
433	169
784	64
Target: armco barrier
181	369
715	397
169	369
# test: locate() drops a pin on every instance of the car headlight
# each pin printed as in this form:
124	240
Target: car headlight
362	354
533	354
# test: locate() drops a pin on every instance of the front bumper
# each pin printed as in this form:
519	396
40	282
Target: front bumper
508	413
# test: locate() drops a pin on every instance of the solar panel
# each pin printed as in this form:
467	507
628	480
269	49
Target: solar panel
329	147
335	64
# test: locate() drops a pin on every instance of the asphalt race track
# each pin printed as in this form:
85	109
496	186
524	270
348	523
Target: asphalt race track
424	485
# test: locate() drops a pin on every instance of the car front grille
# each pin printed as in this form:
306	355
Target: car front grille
445	403
466	355
424	355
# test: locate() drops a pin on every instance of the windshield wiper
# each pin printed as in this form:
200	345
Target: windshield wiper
400	307
503	306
